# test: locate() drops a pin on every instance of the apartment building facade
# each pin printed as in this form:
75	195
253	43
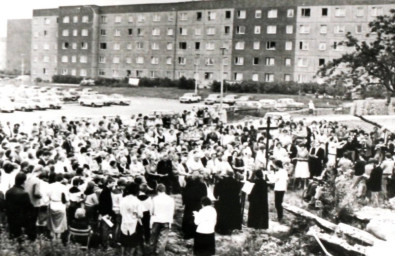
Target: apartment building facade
207	40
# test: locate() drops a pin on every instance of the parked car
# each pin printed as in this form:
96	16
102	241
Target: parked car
106	100
92	101
230	99
274	118
268	104
189	98
245	98
118	99
6	105
288	103
24	104
248	105
212	98
54	103
40	103
67	96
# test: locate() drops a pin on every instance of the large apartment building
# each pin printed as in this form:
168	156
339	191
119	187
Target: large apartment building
260	40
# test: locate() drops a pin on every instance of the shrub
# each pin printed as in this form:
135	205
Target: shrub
66	79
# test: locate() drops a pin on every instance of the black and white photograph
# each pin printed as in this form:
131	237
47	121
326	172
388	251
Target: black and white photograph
197	128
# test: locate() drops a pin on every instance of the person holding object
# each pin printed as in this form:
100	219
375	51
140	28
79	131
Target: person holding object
205	219
280	180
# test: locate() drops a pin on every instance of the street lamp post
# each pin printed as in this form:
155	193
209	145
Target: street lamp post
196	73
222	77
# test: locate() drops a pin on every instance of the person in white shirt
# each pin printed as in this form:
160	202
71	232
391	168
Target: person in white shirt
205	219
161	219
280	180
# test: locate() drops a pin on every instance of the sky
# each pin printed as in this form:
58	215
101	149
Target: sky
23	9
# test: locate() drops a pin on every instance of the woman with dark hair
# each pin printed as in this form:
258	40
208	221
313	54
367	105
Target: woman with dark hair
58	197
205	219
91	203
131	211
280	179
258	214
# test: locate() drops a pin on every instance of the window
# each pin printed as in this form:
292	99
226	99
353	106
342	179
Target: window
47	21
288	62
46	46
140	45
271	45
75	32
171	17
130	31
139	73
324	29
289	29
321	62
140	32
241	14
44	71
65	45
103	46
271	29
270	61
358	29
130	19
74	46
290	13
338	46
198	31
288	46
102	59
156	18
128	60
360	12
340	12
154	60
324	12
209	61
117	32
322	46
306	12
156	32
239	60
199	16
83	59
258	14
102	72
227	30
238	76
271	14
182	45
45	32
287	77
304	29
153	74
117	46
64	71
183	31
169	46
340	29
184	16
84	45
129	46
210	46
35	34
65	32
140	18
211	15
211	31
103	19
114	73
269	77
140	60
240	45
46	59
255	77
66	19
228	14
255	61
257	30
170	31
65	59
85	19
35	47
197	45
303	45
155	46
240	30
103	32
208	76
377	11
168	60
257	45
75	19
84	32
302	62
182	60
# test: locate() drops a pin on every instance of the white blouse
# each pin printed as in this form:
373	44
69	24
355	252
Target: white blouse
206	219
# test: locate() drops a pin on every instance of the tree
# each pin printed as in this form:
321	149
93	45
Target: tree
369	63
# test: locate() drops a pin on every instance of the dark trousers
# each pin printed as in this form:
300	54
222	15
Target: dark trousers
146	226
278	200
159	235
31	229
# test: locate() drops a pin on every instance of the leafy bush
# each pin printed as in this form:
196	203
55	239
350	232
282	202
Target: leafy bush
66	79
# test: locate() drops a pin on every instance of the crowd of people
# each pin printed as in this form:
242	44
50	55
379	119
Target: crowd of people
116	178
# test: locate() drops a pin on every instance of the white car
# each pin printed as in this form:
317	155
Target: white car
24	104
288	103
106	100
251	104
230	99
40	103
212	98
92	101
6	105
245	98
266	103
189	98
118	99
54	103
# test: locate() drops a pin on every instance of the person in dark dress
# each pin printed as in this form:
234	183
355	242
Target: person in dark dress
258	214
374	182
165	172
193	193
228	205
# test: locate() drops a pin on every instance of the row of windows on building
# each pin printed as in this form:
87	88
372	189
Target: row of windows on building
342	12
